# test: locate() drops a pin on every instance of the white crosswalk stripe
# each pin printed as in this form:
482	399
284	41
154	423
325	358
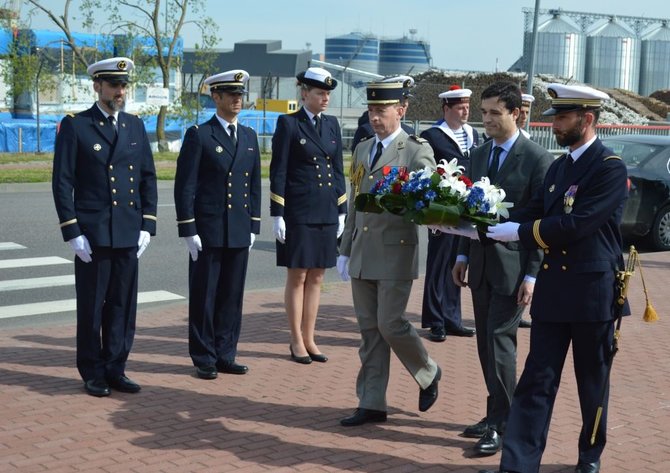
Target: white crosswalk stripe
36	283
28	262
10	245
42	282
52	307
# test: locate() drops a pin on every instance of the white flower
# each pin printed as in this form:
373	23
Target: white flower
424	173
494	197
454	185
451	168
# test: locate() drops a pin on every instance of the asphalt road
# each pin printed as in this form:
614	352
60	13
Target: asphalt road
28	218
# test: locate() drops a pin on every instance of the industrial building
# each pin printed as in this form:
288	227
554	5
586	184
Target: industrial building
604	50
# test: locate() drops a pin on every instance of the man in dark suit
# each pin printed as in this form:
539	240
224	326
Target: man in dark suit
104	188
365	130
501	279
379	252
450	139
574	220
217	195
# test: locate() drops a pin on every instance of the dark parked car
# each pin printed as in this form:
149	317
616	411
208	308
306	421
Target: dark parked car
647	211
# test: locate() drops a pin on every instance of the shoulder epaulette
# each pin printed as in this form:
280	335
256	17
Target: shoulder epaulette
365	138
612	157
418	139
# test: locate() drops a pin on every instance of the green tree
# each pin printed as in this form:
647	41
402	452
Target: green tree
159	22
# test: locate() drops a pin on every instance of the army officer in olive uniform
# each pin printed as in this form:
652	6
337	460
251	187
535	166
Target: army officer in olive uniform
380	253
217	196
104	188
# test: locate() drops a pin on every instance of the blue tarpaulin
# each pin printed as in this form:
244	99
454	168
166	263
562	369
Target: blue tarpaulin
20	135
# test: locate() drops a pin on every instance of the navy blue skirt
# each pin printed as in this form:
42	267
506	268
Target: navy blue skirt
308	246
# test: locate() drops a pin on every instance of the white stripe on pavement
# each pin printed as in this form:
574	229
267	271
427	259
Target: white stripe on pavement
52	307
10	245
27	262
36	283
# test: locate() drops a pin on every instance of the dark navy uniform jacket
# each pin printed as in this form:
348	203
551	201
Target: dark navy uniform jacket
445	147
217	189
581	240
104	187
306	172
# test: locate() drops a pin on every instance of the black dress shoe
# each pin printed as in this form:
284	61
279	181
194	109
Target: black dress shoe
231	367
437	334
206	372
583	467
97	387
320	358
523	323
461	332
124	384
304	360
363	416
489	444
476	431
428	396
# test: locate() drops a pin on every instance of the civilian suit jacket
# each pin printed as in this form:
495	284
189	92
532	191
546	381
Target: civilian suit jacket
520	176
217	189
104	186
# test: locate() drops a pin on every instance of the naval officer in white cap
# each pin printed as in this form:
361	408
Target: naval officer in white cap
218	202
104	187
575	221
308	203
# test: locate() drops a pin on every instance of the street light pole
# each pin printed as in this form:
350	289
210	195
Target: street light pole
37	98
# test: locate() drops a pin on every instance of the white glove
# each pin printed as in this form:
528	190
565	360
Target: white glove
253	239
508	231
340	224
279	229
142	242
194	245
81	248
343	267
463	229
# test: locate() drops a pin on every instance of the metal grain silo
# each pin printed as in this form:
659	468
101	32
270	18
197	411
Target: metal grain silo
613	57
403	56
560	49
355	50
655	63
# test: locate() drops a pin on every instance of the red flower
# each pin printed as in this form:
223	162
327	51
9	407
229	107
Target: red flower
440	171
468	182
403	174
396	188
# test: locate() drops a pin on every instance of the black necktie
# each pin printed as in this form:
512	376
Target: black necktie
317	124
495	163
380	150
112	122
231	127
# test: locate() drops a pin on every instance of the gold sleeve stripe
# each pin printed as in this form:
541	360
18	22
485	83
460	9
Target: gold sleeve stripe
69	222
256	219
612	157
342	199
190	220
150	217
536	234
277	198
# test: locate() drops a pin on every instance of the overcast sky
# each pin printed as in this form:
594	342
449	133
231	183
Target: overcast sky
465	34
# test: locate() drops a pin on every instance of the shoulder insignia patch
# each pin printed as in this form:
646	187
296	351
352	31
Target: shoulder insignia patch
366	138
71	115
612	157
418	139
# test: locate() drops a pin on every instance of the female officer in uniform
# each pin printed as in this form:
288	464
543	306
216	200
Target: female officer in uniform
308	205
